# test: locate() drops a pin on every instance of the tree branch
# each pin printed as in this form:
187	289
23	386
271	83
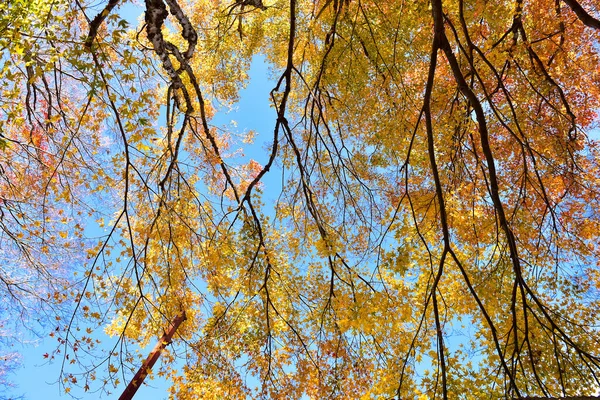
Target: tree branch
97	21
582	14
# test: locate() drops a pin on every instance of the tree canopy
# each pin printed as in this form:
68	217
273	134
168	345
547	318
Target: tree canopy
435	232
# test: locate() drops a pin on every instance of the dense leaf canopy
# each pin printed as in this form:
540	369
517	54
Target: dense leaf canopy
435	228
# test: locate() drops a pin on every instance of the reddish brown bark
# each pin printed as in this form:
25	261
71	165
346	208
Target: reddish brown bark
147	365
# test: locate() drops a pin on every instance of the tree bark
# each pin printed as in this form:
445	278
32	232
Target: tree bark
147	365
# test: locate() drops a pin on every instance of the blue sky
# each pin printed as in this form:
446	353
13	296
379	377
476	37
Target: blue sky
36	379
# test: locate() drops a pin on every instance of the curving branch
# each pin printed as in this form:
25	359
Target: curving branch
583	15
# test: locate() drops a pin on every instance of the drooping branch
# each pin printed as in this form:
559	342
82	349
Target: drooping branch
521	287
443	216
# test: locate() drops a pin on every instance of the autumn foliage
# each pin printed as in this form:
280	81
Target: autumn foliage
422	221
